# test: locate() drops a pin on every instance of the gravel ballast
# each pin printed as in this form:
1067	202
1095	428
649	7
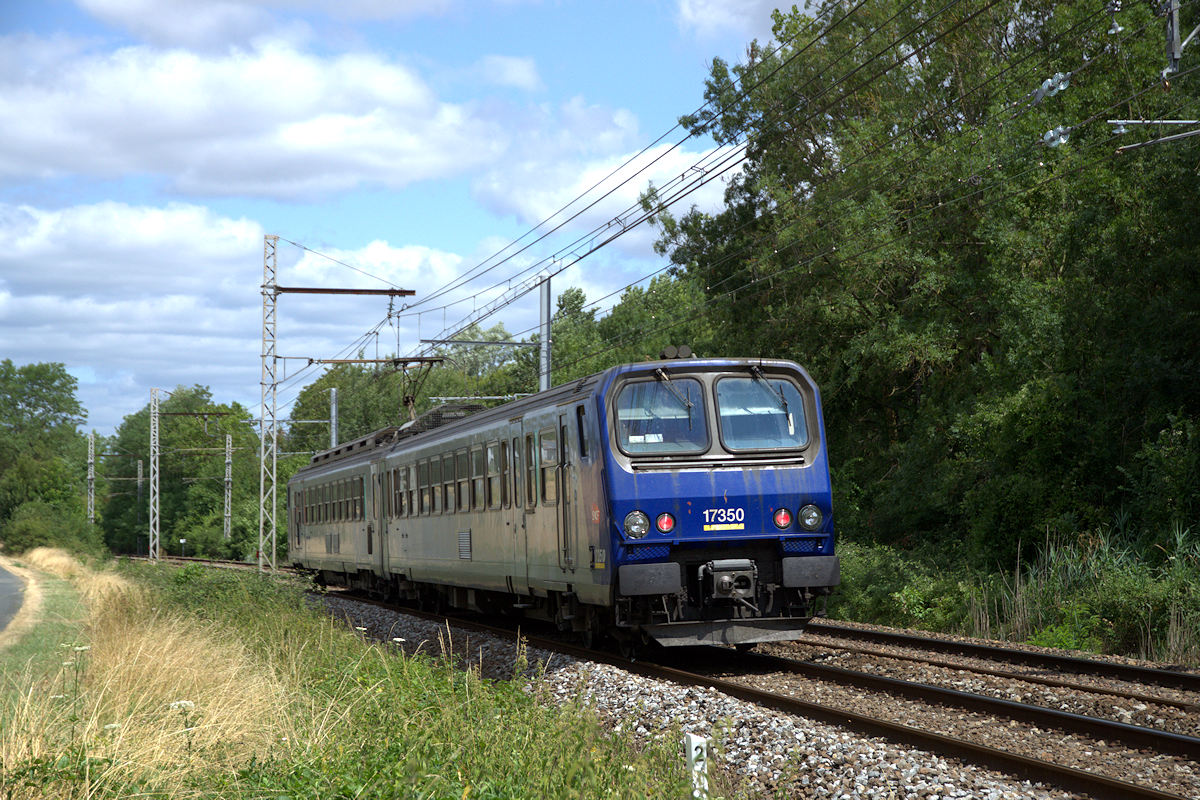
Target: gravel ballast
762	752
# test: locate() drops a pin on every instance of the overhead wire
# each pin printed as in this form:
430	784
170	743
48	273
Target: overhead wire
689	313
888	169
693	187
698	183
745	90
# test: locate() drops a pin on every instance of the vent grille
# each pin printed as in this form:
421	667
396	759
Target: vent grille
464	544
647	552
809	544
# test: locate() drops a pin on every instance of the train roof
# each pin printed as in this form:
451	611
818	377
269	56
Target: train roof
447	418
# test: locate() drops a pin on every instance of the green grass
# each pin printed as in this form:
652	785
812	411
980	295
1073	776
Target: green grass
348	717
60	627
1089	593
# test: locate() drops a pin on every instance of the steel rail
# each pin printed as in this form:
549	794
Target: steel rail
1183	705
1135	736
1099	787
1187	681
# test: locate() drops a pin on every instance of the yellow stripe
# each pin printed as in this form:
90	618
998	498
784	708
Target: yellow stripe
726	526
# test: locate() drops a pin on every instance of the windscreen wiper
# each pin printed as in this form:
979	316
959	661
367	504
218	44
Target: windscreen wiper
757	372
687	404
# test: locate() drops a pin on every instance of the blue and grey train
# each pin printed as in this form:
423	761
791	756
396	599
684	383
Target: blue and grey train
684	501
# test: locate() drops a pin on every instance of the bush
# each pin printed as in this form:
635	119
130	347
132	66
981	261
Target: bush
38	523
883	586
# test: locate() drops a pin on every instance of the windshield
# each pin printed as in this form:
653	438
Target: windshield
761	414
665	415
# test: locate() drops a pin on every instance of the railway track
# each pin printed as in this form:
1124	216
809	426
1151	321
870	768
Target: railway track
750	669
1059	664
736	675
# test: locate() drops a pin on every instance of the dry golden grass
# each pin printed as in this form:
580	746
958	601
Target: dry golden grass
162	699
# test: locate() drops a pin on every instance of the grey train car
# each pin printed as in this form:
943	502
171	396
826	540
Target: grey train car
684	501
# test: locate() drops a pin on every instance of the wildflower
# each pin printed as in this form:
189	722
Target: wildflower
68	663
58	697
182	705
360	629
82	648
112	726
398	640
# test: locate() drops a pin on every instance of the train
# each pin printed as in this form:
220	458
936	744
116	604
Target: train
677	501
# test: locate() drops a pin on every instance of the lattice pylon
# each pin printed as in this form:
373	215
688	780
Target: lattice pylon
268	431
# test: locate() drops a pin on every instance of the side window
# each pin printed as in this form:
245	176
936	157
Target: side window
448	483
505	498
463	480
423	487
493	475
410	486
548	438
435	482
396	494
530	471
478	471
581	430
516	472
360	487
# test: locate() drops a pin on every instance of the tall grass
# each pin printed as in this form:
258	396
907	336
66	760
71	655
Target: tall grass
1093	593
204	683
1087	593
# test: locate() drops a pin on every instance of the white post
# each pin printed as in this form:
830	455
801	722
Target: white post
228	485
697	763
544	373
333	418
91	478
153	550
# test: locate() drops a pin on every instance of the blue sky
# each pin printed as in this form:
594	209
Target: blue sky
148	147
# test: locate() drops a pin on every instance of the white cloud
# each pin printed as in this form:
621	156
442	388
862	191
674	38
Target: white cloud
168	296
538	186
271	121
711	19
519	73
217	23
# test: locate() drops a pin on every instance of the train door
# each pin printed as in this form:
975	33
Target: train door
377	522
565	479
515	512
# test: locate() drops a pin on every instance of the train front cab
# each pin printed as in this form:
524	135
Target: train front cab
719	486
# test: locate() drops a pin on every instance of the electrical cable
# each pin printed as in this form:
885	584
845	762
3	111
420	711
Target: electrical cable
700	182
685	316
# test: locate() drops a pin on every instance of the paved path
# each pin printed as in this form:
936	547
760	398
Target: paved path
12	594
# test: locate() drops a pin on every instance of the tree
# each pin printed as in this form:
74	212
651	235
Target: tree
1004	331
42	460
192	430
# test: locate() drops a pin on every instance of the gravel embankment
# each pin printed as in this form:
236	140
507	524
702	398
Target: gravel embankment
1077	701
762	751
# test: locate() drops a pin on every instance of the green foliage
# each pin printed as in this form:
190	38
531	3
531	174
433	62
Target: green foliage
1085	593
37	523
191	478
1004	333
42	460
401	726
883	586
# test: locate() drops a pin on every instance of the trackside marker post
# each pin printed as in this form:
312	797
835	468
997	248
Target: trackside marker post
697	763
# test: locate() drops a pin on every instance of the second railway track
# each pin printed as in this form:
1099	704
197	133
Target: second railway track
1094	757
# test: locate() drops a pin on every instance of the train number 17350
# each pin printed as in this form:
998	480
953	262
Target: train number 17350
724	515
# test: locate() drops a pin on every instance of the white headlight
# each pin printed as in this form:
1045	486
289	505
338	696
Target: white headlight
810	518
637	524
